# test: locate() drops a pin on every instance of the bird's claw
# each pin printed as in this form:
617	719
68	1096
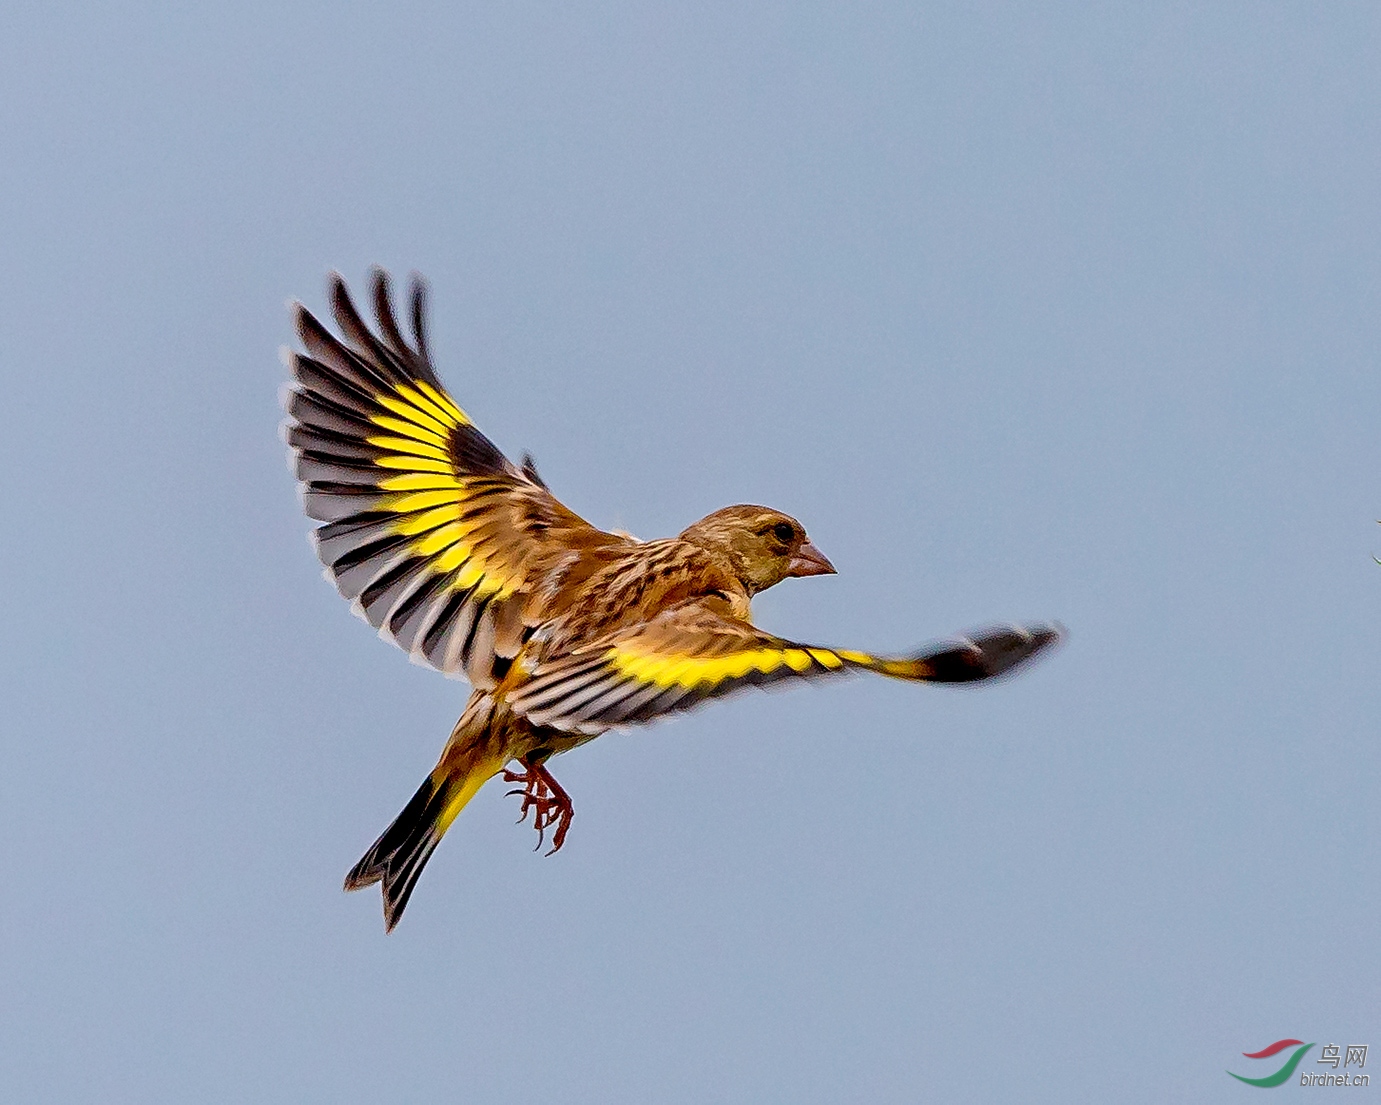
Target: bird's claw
549	803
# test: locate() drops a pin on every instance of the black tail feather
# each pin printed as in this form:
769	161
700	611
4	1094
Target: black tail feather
396	859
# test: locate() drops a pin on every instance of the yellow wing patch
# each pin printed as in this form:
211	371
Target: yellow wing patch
701	671
421	424
685	656
643	675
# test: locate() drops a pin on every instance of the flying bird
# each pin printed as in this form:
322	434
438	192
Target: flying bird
468	563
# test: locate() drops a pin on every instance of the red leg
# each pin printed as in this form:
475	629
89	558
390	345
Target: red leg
550	805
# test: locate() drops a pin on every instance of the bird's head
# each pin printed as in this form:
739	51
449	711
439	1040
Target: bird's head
765	546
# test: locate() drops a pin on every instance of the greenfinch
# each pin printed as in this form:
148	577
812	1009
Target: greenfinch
468	563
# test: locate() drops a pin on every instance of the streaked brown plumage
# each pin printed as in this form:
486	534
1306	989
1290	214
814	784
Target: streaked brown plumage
468	563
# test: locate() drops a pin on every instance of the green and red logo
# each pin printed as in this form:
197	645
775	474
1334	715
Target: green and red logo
1285	1071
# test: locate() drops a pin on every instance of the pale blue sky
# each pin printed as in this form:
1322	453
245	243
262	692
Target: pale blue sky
1069	314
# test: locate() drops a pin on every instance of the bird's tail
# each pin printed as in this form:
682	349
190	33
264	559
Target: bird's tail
396	859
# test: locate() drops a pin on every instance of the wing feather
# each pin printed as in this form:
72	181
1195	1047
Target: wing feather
433	534
693	653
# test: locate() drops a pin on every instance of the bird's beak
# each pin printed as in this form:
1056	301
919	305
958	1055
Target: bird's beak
809	561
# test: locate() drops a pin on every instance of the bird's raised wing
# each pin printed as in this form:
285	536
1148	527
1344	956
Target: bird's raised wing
693	653
438	540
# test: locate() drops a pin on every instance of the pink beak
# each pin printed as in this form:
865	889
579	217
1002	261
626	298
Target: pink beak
809	561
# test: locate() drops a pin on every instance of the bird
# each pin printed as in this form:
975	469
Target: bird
468	562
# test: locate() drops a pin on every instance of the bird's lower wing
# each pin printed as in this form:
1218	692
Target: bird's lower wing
690	655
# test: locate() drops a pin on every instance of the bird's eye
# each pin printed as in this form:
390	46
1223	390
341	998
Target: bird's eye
783	532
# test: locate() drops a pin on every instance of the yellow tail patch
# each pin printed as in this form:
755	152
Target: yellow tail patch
478	774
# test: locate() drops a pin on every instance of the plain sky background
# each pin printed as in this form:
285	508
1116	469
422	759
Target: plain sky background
1064	314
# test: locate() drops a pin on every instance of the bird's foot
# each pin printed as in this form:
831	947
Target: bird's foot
550	805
